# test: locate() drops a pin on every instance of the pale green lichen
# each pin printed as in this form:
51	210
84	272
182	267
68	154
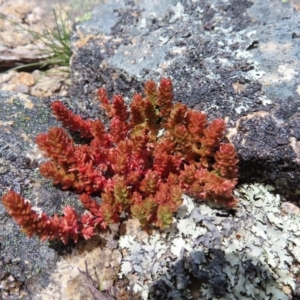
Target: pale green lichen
259	248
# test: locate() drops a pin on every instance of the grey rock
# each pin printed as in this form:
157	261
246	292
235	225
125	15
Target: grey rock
22	117
229	59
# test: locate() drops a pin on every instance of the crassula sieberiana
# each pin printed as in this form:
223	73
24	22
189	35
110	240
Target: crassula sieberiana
152	152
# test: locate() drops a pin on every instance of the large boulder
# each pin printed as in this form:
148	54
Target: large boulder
235	59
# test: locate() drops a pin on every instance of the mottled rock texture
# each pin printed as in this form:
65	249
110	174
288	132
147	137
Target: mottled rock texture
26	263
233	59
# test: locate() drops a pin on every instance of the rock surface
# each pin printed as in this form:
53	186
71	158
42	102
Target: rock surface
23	261
236	59
27	264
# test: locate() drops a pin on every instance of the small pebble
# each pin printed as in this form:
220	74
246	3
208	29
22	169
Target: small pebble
290	208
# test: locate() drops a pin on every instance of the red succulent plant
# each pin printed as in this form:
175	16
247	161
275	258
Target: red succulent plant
153	152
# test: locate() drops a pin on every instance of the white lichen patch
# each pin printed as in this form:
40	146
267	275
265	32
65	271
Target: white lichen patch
286	72
252	254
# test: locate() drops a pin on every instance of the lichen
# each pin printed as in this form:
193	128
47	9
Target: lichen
252	254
